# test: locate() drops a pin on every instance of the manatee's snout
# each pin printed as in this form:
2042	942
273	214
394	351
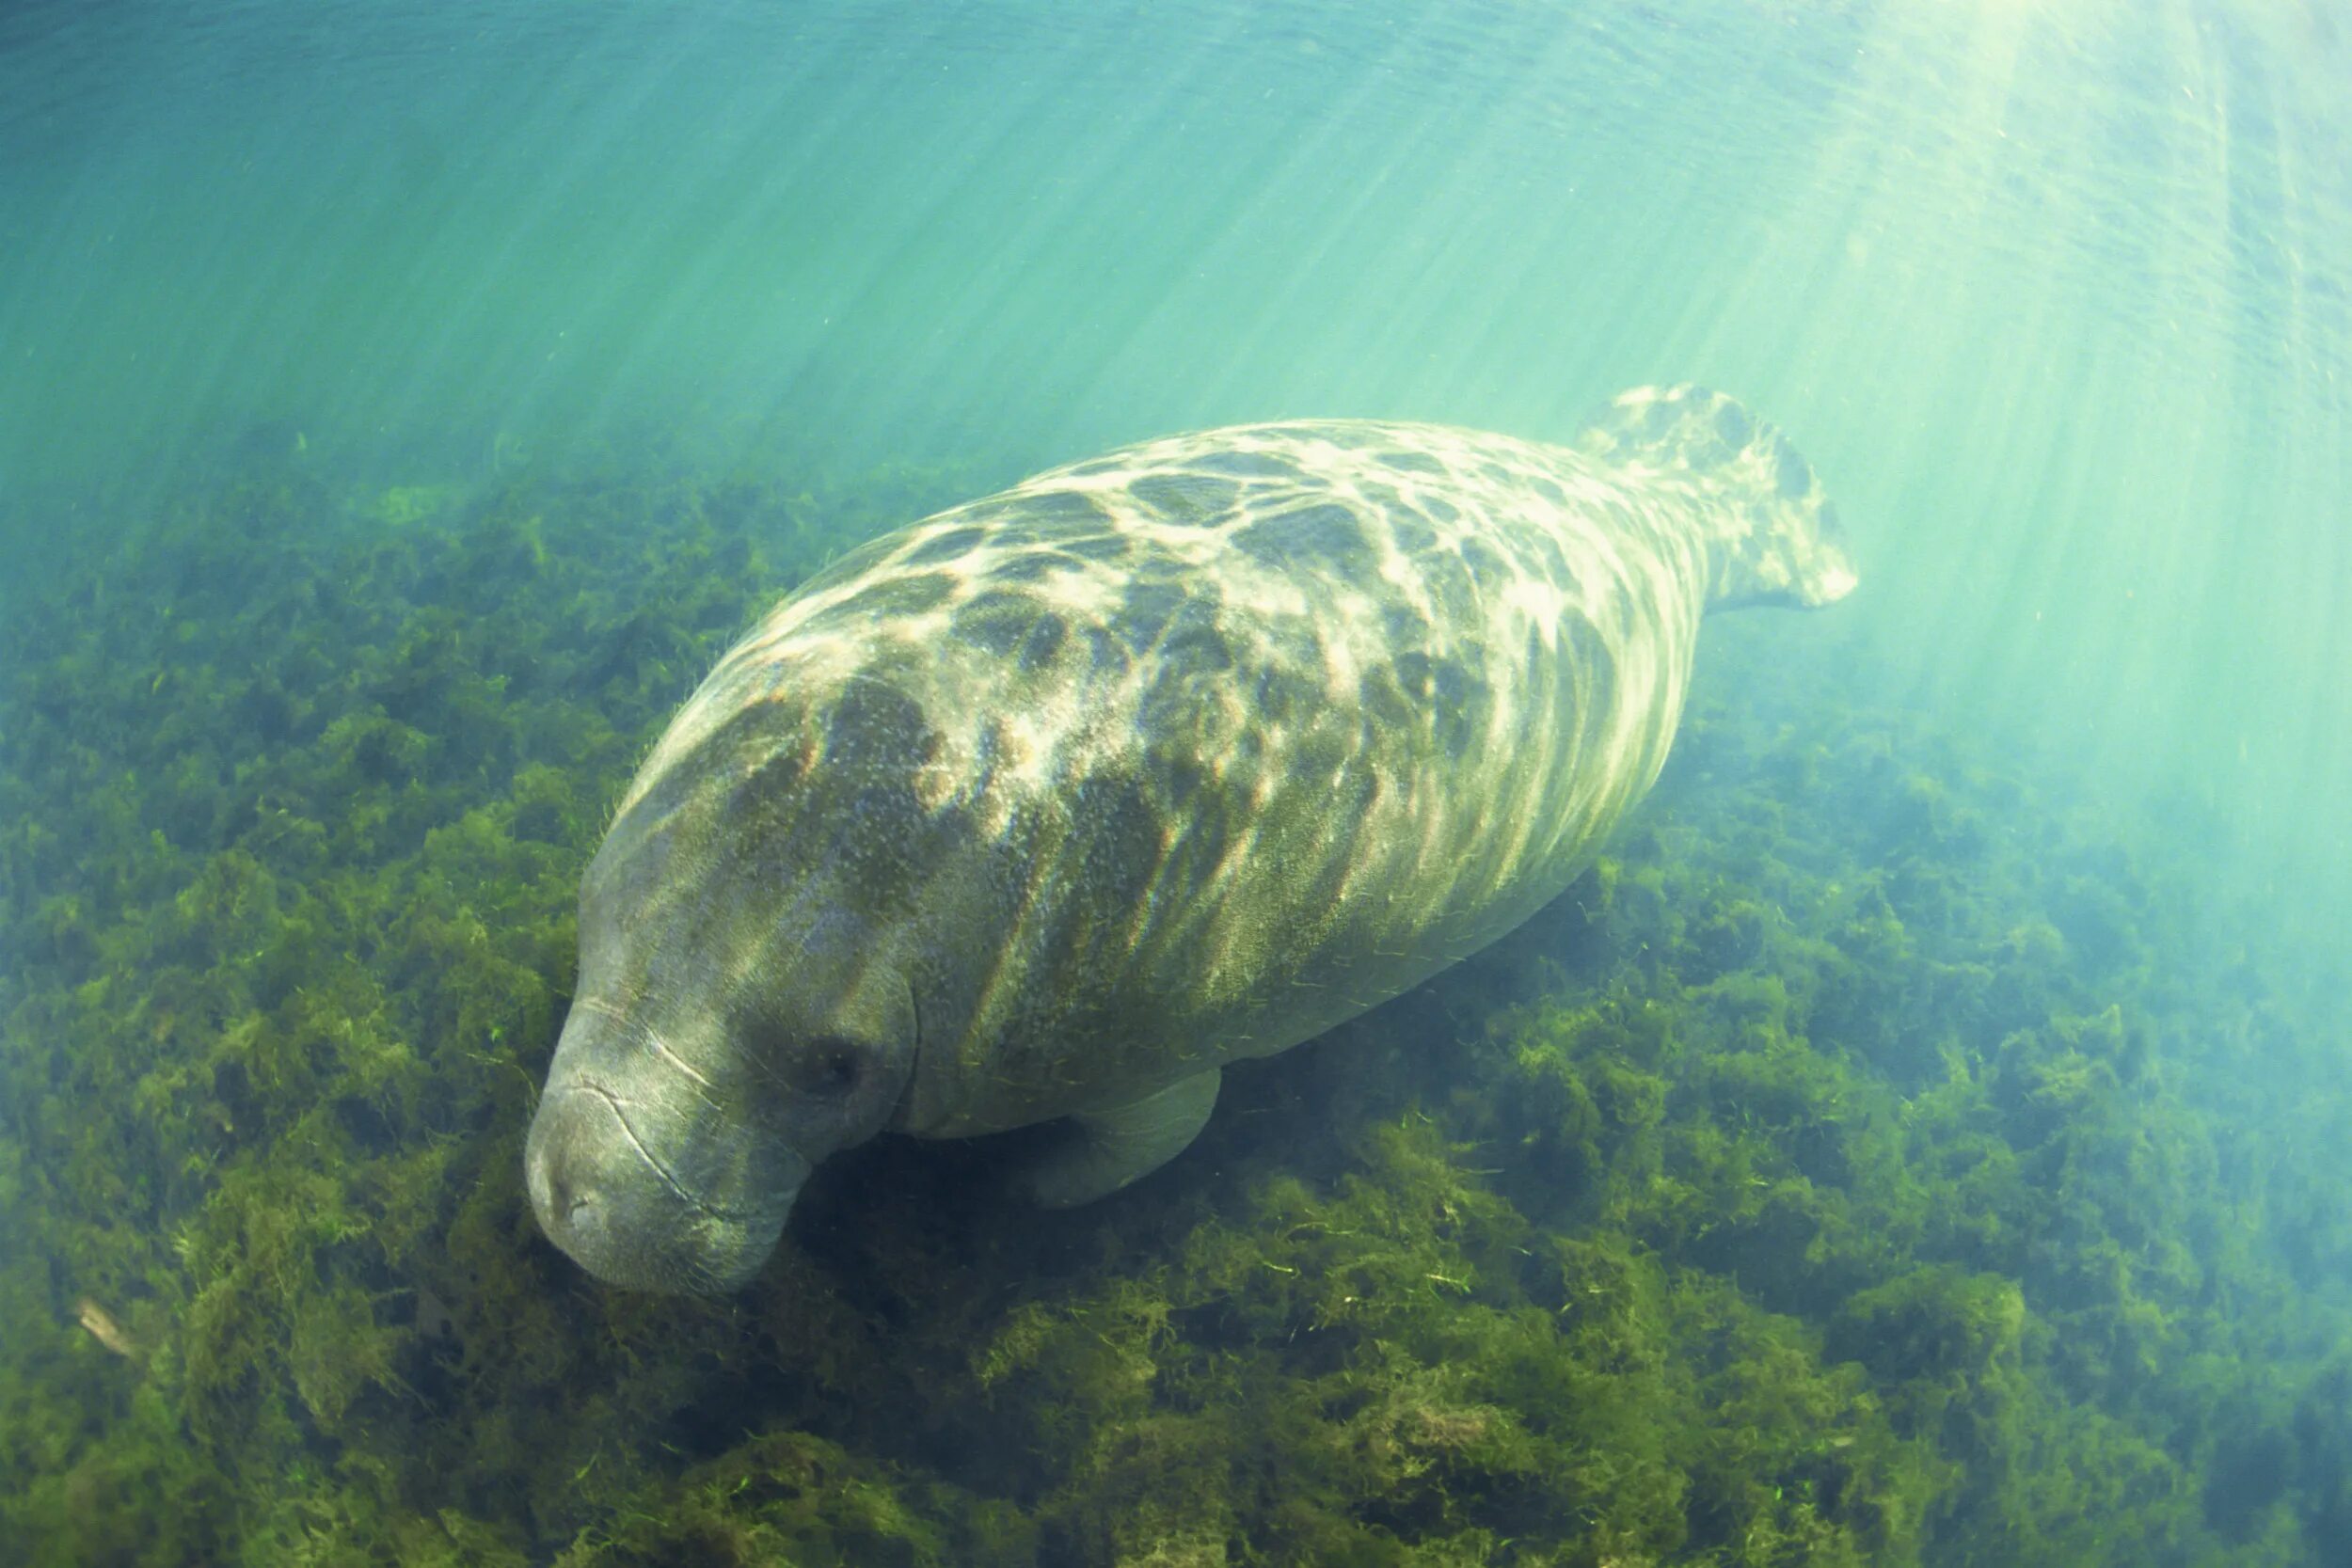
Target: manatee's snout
604	1198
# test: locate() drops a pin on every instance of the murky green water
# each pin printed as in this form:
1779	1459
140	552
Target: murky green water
401	406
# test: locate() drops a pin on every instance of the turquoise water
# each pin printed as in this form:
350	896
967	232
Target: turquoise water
2054	291
2055	297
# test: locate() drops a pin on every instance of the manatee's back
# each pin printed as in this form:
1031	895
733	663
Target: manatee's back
1199	747
1254	728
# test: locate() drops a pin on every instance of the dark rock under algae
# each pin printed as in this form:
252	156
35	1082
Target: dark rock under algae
1860	1167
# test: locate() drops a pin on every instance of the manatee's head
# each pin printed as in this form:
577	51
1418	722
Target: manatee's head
743	1009
1774	537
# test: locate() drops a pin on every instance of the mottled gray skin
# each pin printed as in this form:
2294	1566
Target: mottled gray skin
1051	804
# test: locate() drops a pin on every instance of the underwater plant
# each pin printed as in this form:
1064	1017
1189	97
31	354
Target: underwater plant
1853	1168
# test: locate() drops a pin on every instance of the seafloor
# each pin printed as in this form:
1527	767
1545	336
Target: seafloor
1872	1162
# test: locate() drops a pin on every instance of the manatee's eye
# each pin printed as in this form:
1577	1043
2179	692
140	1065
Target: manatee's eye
827	1067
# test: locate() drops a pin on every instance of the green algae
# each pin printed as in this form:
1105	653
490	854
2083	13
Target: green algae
1853	1168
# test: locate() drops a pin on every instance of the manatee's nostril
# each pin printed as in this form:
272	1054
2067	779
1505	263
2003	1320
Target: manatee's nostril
554	1192
567	1196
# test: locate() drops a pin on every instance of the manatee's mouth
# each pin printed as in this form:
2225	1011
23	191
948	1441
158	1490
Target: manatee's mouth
622	1213
692	1200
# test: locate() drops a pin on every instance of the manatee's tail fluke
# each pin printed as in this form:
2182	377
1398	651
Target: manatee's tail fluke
1779	537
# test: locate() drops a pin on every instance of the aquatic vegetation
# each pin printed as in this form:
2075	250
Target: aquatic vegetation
1853	1169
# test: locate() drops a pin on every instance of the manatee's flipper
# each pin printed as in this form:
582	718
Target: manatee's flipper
1105	1149
1787	547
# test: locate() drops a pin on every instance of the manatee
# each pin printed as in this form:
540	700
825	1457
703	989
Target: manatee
1051	804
